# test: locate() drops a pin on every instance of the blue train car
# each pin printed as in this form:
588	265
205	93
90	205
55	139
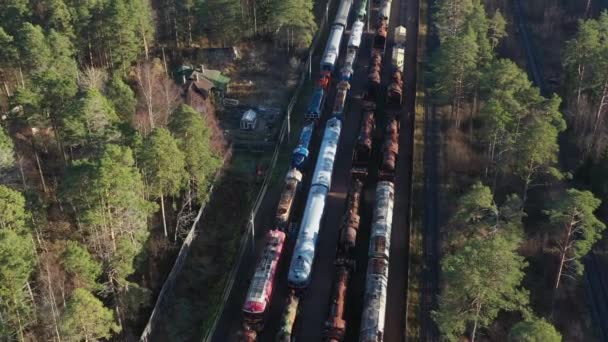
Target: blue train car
300	153
315	108
304	251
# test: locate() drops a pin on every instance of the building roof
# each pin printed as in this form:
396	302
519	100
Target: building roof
215	76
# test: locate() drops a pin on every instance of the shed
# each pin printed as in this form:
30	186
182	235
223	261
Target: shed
249	120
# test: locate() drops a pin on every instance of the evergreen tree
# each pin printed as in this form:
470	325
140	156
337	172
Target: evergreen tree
482	279
17	262
576	229
80	264
85	318
451	18
7	150
194	140
91	121
13	215
122	97
163	166
535	330
221	20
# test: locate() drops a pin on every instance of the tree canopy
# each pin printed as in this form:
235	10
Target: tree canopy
535	330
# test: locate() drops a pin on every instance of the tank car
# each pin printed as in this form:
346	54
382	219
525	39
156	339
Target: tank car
288	318
304	250
363	147
260	290
335	326
362	11
374	301
390	148
299	156
350	222
248	334
340	101
380	235
384	14
332	48
346	73
379	43
342	13
354	41
288	195
373	77
394	92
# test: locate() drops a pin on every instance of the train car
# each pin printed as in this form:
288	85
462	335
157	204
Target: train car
384	14
324	80
248	334
373	77
350	222
363	147
356	32
374	301
362	11
288	195
335	326
300	154
340	101
342	13
288	319
346	73
332	48
260	290
400	36
304	251
315	108
379	43
390	148
382	221
394	92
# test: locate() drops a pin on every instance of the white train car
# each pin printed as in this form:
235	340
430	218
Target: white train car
380	237
356	32
342	13
304	251
374	301
385	11
332	48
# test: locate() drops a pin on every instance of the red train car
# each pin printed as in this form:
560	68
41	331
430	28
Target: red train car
260	290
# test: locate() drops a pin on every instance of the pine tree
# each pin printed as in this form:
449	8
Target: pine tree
17	262
163	167
7	150
535	330
194	140
576	229
80	264
91	121
13	215
122	97
482	279
85	318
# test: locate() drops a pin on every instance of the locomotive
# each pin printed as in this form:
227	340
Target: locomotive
260	290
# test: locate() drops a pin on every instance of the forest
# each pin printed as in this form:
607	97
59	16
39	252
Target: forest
102	164
524	167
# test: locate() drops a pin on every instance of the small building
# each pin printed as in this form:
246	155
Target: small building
249	120
197	95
